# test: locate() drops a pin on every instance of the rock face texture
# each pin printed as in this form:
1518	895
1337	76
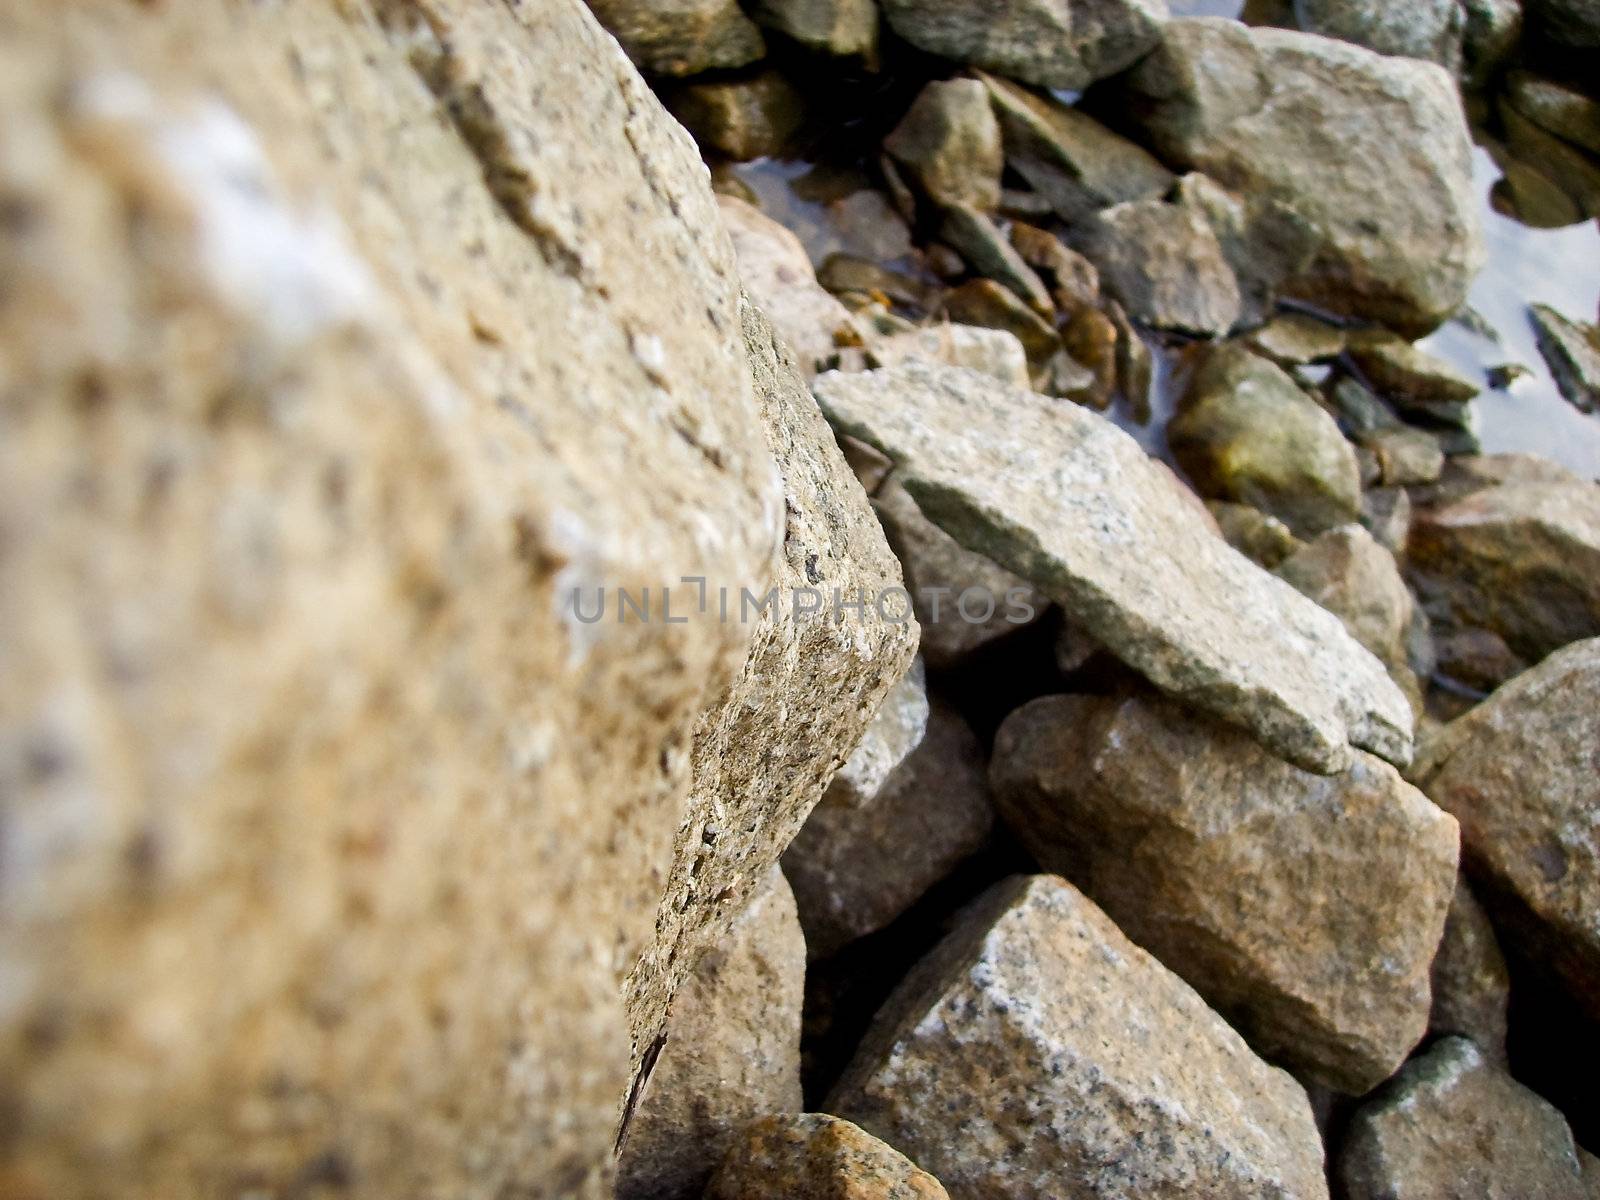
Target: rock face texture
854	870
1305	909
1055	43
893	734
731	1053
1071	503
1072	1064
321	793
1164	262
811	1156
1430	29
1451	1125
1520	773
1392	208
949	141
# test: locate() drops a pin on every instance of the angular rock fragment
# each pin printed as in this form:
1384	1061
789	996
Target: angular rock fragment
1070	502
681	37
1520	560
1397	231
1054	43
963	601
986	303
731	1053
1038	1053
1453	1125
1348	573
1406	457
1306	909
811	1156
1574	172
1265	541
1519	773
949	142
1412	379
1264	240
1294	339
988	251
1246	432
1069	158
1164	263
1573	352
779	277
841	27
1470	983
741	118
854	870
1074	282
1558	109
892	735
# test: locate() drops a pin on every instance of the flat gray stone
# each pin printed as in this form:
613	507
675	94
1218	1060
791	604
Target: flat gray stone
1066	500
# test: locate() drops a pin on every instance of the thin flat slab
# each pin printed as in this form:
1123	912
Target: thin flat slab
1068	501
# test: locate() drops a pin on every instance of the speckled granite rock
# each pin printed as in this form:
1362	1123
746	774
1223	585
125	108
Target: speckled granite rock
731	1053
1245	431
1430	29
780	279
1520	773
1519	560
372	387
812	1156
892	734
1038	1053
1306	909
1070	502
854	870
992	351
681	37
1397	230
949	142
1471	986
1453	1125
1056	43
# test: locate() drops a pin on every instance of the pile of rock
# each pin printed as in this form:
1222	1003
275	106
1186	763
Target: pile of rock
1123	826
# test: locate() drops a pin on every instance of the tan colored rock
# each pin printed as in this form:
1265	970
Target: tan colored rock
963	600
854	870
1397	232
1520	560
891	735
743	118
817	1157
812	690
949	142
1519	773
1412	379
681	37
985	303
1305	908
1357	580
730	1053
1471	986
1264	540
1453	1125
780	279
341	829
1065	499
843	27
1164	263
1038	1053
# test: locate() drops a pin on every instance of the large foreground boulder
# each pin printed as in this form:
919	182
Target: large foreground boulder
1372	151
1305	908
1069	502
332	824
1038	1053
1520	774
